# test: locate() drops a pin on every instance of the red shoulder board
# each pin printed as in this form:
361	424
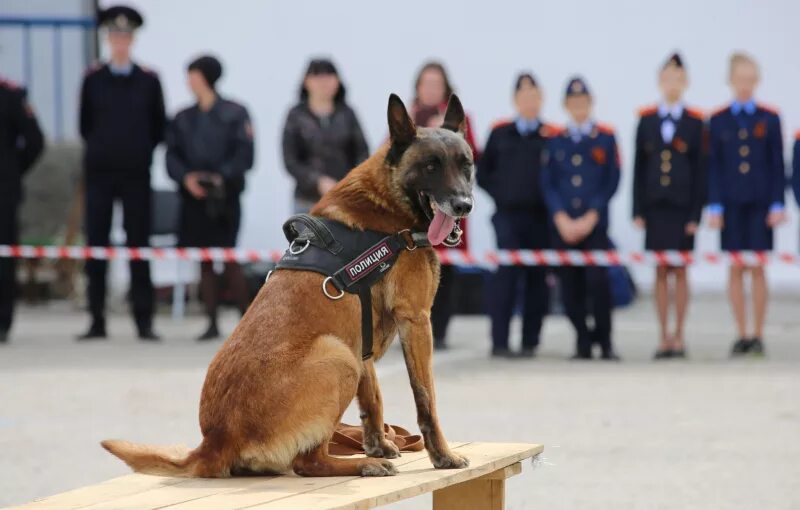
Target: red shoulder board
719	109
12	85
606	129
697	113
797	135
500	123
769	108
550	130
648	110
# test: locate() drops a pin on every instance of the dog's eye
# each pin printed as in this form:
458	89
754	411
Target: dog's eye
430	168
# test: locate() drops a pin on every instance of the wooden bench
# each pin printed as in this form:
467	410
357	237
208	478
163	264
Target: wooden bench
479	487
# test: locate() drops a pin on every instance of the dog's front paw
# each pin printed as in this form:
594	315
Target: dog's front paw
382	449
449	460
375	467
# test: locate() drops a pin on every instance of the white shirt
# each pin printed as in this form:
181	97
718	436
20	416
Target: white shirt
668	126
577	132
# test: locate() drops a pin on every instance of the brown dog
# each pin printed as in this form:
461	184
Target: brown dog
279	385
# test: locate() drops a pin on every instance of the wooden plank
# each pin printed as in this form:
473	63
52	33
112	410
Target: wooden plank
506	472
105	491
415	478
289	485
478	494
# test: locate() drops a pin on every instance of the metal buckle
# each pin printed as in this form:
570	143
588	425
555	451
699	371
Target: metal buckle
268	275
301	250
409	239
328	294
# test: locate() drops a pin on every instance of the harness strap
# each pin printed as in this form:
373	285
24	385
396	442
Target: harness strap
319	230
365	296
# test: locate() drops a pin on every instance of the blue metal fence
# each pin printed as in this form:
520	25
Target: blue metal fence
56	26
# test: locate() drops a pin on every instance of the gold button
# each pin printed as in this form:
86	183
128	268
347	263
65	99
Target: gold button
666	155
665	180
577	159
744	167
577	180
743	134
744	150
576	203
666	166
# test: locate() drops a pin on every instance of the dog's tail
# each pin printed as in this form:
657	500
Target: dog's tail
155	460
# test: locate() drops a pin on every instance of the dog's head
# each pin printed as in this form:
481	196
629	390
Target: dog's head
432	167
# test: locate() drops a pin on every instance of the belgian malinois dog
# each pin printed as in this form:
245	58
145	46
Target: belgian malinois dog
279	385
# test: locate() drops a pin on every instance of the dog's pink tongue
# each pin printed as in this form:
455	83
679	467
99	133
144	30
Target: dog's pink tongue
440	227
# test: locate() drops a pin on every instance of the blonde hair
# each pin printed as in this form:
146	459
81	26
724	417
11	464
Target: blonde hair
738	58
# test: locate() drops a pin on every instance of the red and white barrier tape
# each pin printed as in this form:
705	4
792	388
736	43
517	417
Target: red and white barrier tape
448	257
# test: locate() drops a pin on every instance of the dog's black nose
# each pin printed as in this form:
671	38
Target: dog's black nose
461	205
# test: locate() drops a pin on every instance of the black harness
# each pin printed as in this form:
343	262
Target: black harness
352	260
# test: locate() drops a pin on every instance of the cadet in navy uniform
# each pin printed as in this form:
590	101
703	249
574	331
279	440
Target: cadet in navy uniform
21	142
669	189
579	176
209	149
121	120
746	191
509	171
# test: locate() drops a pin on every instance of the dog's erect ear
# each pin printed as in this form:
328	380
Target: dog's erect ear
401	128
454	118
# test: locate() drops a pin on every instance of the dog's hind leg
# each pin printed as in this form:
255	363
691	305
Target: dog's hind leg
371	404
319	462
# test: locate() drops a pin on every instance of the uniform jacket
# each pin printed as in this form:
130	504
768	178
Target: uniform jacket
796	167
122	120
21	140
578	177
670	174
746	158
313	147
510	166
218	141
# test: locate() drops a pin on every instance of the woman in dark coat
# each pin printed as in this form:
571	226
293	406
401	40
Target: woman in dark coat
322	139
432	90
209	149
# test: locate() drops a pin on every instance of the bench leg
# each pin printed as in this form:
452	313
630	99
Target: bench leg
485	493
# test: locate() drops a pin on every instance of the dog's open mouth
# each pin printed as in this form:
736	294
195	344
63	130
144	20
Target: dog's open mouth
442	225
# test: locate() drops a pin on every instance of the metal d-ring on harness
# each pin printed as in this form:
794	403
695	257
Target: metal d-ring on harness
351	260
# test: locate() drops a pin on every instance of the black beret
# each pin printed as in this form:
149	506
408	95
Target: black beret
524	78
674	60
120	18
209	67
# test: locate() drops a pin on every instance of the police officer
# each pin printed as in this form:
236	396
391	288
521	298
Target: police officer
509	171
121	120
669	186
209	149
21	142
746	191
579	176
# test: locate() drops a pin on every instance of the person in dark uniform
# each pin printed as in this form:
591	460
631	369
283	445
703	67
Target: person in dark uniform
580	174
122	120
322	138
21	143
669	192
747	184
509	171
209	149
796	167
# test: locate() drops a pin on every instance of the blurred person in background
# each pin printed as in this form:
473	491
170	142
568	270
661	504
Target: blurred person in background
21	143
432	90
209	150
747	185
669	192
796	167
322	138
580	174
122	120
509	171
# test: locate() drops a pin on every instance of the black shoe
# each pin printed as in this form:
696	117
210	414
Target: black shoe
581	356
148	335
439	344
527	352
679	353
741	347
212	333
97	331
502	352
663	354
610	356
756	347
3	336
